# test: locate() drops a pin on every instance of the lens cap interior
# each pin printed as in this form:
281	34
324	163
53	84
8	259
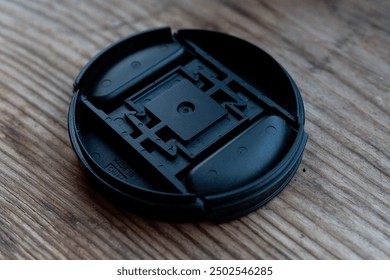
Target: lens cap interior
187	126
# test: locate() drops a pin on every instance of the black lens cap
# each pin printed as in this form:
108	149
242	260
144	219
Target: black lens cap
187	126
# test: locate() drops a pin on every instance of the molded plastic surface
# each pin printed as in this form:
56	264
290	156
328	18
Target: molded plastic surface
190	126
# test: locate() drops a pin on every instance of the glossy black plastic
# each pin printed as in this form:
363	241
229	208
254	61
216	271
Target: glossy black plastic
187	126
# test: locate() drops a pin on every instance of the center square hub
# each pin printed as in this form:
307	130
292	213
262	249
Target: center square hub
185	109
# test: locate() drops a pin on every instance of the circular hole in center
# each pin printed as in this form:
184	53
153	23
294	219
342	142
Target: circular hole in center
186	108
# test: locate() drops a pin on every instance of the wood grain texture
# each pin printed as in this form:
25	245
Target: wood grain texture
336	207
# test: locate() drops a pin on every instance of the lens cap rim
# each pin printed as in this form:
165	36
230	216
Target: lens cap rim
188	205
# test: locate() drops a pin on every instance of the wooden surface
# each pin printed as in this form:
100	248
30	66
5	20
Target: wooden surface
337	205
